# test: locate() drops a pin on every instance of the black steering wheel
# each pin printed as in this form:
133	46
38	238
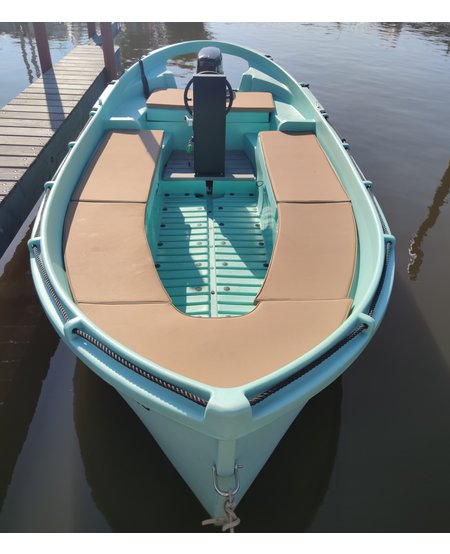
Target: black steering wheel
188	86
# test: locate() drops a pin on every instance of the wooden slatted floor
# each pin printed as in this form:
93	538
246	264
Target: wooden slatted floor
31	119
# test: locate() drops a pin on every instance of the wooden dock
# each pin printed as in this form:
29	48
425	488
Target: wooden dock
36	126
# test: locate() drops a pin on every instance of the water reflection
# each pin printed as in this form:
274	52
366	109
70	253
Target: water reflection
137	39
415	247
390	32
22	33
137	489
27	342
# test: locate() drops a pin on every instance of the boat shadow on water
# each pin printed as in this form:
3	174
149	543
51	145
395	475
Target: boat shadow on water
27	343
138	490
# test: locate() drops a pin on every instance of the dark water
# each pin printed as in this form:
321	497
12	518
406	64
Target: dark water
369	454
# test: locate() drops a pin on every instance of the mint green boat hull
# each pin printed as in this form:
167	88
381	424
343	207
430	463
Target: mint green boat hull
228	427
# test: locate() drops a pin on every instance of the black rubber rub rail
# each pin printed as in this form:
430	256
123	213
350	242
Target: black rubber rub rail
193	397
98	344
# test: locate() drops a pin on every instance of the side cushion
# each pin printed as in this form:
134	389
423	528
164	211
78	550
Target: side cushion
298	168
172	98
122	168
107	256
314	255
222	352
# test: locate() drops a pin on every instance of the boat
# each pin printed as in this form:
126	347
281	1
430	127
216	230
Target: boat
215	255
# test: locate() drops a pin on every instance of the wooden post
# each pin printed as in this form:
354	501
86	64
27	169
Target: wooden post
40	32
108	50
91	29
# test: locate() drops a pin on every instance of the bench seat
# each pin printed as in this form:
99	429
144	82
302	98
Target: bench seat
314	254
172	99
298	168
122	168
222	352
315	251
107	255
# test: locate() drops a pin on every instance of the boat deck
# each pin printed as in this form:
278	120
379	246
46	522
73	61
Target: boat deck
210	253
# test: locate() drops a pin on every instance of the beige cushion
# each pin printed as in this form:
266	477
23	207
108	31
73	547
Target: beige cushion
172	98
122	168
298	168
222	352
314	254
107	256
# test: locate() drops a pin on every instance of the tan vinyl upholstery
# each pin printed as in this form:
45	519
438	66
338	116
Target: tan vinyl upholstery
314	254
122	168
107	255
172	98
223	352
113	279
298	168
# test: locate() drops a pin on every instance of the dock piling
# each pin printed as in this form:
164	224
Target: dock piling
40	33
108	50
91	30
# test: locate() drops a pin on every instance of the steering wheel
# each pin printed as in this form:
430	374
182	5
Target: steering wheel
188	86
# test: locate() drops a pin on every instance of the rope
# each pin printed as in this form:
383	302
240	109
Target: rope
161	382
193	397
48	284
230	520
359	329
263	395
86	336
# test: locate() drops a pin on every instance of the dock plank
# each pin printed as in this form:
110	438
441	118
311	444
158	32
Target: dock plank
24	132
16	161
11	174
24	103
19	150
15	140
57	89
50	96
6	186
33	123
35	108
33	114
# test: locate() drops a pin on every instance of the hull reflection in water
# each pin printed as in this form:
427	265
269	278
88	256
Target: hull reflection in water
133	485
27	343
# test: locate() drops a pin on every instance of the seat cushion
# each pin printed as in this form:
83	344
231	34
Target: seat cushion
107	256
172	98
314	254
122	168
298	168
222	352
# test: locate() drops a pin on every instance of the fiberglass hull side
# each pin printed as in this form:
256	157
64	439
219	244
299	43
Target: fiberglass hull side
230	426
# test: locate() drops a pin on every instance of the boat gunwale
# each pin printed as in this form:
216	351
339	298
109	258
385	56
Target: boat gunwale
235	395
